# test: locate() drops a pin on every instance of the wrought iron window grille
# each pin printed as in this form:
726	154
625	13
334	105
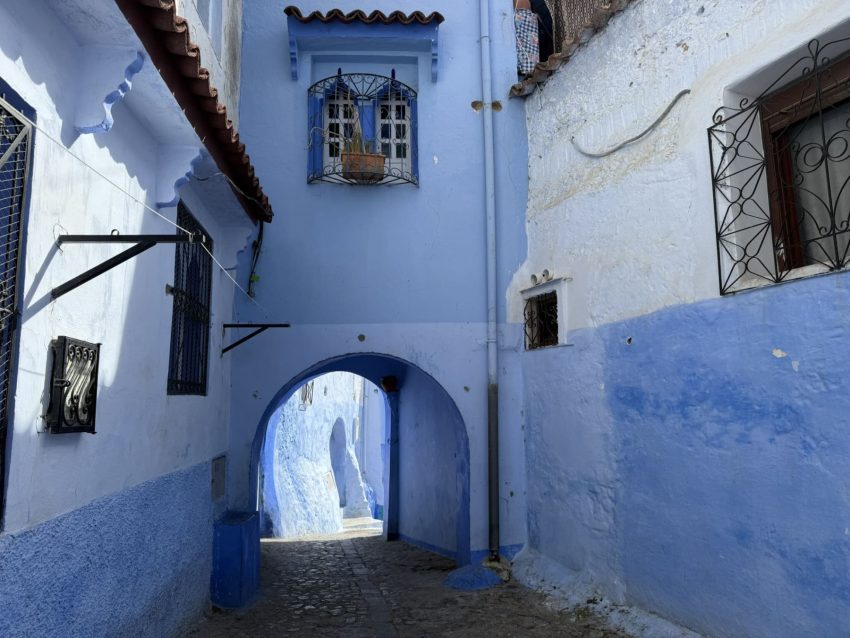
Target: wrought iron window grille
781	174
541	320
73	386
16	135
362	130
190	323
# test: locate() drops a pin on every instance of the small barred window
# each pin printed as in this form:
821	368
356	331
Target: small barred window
541	321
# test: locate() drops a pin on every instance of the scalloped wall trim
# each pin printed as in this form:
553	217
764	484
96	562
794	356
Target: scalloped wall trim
114	97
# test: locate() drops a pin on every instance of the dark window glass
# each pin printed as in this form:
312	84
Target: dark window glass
541	321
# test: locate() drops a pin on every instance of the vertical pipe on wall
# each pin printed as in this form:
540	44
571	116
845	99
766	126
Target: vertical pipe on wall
492	349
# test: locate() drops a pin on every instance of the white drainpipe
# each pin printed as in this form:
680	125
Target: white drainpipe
492	345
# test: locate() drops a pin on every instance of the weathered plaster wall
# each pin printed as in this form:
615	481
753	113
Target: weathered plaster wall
402	266
216	27
136	563
635	231
301	487
687	453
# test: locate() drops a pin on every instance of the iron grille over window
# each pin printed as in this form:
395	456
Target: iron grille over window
15	145
781	173
541	321
190	324
362	130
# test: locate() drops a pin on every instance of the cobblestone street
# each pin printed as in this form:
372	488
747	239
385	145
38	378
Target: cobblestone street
354	584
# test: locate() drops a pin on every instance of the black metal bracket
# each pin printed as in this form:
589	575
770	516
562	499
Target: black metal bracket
142	243
260	327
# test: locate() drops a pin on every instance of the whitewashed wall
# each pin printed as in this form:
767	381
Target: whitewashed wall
686	453
142	432
216	27
635	231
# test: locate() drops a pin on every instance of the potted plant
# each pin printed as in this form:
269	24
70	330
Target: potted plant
360	164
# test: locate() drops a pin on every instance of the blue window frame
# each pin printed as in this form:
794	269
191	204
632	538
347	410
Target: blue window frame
362	130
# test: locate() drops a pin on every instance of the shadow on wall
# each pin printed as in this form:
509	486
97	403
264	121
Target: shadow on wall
425	453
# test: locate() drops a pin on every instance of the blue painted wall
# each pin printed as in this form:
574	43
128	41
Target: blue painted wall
433	478
433	469
135	563
400	254
403	267
704	465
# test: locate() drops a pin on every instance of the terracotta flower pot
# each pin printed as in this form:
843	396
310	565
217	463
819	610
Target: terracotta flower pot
363	168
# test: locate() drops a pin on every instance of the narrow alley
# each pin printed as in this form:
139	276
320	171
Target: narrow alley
354	584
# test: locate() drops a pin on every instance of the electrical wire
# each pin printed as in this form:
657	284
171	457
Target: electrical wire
257	249
101	175
146	206
631	140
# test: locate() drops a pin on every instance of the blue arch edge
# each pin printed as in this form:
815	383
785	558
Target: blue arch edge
372	366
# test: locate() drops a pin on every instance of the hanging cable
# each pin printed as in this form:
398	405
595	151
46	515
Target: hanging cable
257	248
146	206
101	175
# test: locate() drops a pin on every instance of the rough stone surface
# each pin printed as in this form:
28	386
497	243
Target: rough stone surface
311	478
136	563
355	584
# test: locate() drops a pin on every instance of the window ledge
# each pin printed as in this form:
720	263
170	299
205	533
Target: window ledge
544	287
753	282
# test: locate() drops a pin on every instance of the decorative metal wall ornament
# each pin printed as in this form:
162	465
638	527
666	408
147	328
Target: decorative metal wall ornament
362	130
541	321
73	386
781	174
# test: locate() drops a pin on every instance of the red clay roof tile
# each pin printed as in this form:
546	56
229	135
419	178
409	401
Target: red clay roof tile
362	16
165	36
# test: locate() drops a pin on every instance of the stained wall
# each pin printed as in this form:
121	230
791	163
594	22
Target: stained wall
686	453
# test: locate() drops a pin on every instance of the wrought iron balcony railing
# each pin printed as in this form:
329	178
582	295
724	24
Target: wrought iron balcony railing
362	130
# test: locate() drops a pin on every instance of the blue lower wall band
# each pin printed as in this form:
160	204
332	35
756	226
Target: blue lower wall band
134	563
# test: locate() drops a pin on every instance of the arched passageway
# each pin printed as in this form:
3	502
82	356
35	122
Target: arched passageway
426	500
322	458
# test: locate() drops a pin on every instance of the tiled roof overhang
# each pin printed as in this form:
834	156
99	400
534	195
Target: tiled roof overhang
598	21
367	18
165	36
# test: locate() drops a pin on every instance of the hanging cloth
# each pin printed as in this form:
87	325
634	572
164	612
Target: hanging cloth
527	43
